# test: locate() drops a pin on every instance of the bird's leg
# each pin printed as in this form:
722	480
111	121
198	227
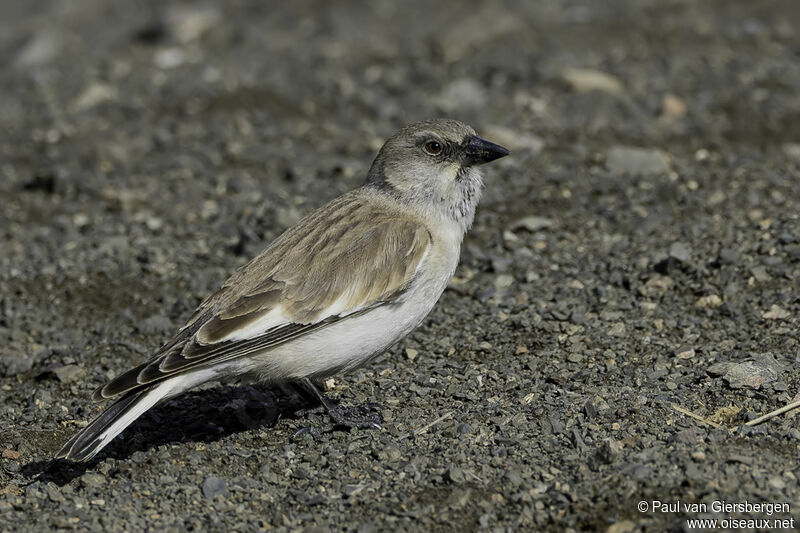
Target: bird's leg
360	416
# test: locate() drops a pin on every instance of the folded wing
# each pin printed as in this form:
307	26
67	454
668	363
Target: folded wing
344	259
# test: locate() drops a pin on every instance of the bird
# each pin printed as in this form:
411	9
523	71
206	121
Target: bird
331	293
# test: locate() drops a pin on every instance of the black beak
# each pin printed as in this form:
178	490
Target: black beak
478	151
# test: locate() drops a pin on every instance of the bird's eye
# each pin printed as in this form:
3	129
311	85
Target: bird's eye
433	148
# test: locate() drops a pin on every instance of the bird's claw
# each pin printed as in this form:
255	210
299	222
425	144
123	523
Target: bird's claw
360	416
312	432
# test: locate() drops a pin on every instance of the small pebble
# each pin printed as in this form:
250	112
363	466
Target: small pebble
69	373
673	106
681	252
169	58
637	161
584	80
776	312
503	281
532	223
624	526
760	274
685	352
710	301
214	486
8	453
617	330
699	456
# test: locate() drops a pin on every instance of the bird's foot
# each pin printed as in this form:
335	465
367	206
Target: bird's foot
360	416
311	432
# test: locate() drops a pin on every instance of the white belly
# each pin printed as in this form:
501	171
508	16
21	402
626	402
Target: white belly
348	343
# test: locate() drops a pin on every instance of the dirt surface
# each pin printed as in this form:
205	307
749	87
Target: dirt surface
635	259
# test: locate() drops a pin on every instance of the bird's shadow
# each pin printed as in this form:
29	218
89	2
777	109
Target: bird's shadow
198	416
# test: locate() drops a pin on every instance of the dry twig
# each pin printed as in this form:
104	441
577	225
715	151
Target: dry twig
695	416
794	404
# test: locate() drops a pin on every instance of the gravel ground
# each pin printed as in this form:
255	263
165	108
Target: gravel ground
634	260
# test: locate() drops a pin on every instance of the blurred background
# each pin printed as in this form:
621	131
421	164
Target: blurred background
644	230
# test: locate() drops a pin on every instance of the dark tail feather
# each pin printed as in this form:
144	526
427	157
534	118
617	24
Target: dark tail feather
124	411
106	426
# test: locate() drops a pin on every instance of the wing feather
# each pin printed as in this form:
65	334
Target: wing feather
352	255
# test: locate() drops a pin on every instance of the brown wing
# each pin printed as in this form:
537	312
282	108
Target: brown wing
353	254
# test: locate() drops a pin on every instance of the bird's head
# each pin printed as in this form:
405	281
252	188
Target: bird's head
431	165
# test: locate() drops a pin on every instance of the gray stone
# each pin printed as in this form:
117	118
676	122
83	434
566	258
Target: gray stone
14	363
155	324
40	49
681	252
753	374
214	486
69	373
587	79
462	95
637	161
532	223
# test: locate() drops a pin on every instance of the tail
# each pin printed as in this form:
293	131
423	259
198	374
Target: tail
121	414
111	422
